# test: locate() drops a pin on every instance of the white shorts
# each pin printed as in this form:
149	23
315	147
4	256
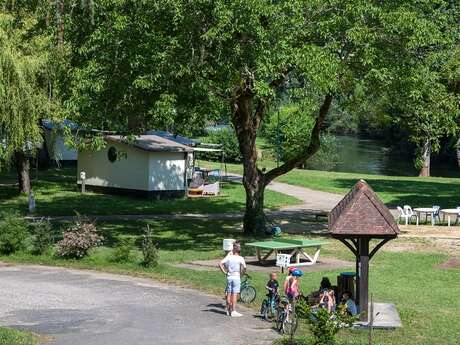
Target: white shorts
233	284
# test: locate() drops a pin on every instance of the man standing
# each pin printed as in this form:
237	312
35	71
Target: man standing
233	266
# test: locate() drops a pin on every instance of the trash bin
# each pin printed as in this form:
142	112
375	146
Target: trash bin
346	282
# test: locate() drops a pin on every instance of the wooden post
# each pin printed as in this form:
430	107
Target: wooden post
357	273
357	284
364	278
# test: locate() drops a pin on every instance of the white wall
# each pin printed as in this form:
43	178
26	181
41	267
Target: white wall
57	149
130	172
167	171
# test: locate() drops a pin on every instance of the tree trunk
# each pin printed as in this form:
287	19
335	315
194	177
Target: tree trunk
60	21
246	121
254	217
23	169
246	124
426	158
457	150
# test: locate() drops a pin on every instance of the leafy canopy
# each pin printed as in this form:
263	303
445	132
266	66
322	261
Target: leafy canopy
24	99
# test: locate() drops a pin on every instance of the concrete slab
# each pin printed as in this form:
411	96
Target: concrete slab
386	316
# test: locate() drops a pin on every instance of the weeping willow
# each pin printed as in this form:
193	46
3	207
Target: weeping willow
23	96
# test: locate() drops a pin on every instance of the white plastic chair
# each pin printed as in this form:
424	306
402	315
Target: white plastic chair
437	208
402	214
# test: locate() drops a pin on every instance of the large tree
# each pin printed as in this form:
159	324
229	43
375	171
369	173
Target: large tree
171	63
24	91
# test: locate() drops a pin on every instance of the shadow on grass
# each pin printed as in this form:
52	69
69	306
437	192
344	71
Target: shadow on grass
176	235
415	193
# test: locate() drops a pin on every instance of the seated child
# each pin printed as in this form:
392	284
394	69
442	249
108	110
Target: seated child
350	304
327	295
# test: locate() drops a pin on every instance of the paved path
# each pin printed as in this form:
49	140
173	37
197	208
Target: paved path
312	200
91	308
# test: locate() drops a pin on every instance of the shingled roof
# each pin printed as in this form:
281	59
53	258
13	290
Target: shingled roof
362	213
151	143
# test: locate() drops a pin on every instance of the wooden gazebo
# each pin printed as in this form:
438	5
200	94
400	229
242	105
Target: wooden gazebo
357	219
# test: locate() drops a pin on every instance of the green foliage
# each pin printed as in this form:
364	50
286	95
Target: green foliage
9	336
122	251
13	232
327	157
42	236
324	325
288	132
25	82
149	248
228	142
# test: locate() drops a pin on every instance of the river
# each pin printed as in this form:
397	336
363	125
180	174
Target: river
369	156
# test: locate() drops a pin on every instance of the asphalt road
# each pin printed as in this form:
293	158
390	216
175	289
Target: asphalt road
89	308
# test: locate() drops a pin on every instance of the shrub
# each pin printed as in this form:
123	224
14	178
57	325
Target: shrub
327	157
79	239
13	233
324	325
42	236
149	249
122	251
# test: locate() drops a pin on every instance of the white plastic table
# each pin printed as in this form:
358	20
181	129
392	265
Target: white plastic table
449	212
427	210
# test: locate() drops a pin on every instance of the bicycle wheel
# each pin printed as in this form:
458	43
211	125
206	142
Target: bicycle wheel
248	294
289	324
279	319
270	312
263	308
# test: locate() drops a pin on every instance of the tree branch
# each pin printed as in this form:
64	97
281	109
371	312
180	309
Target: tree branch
310	150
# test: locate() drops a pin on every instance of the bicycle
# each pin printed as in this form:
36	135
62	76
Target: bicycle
247	292
286	320
269	306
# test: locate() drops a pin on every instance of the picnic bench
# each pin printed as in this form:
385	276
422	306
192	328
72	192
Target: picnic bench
296	248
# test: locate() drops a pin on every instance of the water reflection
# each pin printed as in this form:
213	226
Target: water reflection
369	156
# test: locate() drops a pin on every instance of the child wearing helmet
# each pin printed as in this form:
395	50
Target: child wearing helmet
288	278
291	284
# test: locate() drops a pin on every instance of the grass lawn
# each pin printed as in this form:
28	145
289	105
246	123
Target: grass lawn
56	193
10	336
426	297
393	190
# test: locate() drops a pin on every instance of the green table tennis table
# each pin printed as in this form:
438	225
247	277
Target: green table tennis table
292	247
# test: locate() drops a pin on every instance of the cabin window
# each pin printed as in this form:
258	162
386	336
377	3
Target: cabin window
112	154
